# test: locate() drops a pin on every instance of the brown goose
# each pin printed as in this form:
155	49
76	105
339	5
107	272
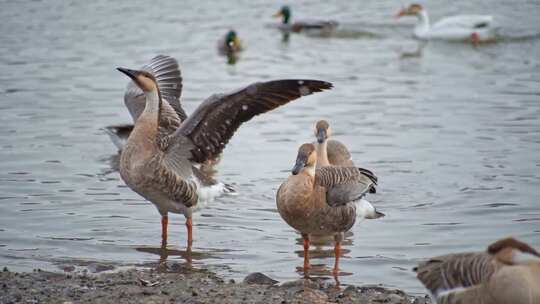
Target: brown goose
330	152
334	153
320	201
507	272
160	158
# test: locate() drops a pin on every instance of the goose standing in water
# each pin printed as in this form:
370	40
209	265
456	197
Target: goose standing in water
320	202
476	28
331	152
507	272
299	26
160	158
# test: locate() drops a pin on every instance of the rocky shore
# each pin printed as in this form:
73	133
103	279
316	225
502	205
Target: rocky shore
182	285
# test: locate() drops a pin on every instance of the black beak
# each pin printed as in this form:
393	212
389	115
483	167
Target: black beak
130	73
300	163
321	135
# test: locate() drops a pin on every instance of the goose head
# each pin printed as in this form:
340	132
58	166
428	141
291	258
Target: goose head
511	251
306	158
412	10
143	79
284	13
322	131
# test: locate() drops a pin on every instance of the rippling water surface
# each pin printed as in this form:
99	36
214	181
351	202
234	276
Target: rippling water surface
452	132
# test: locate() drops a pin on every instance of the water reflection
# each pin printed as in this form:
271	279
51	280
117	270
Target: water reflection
164	253
232	58
416	53
319	251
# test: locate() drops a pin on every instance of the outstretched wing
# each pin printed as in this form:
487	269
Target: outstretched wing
345	184
214	122
455	271
169	80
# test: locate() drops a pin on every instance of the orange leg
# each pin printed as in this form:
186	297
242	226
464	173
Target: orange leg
475	39
189	225
337	252
306	252
164	224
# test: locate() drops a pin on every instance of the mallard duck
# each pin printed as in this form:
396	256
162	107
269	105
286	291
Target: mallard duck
161	157
299	26
477	28
507	272
230	43
320	202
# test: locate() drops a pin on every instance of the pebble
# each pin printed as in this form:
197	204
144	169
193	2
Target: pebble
97	267
259	278
195	287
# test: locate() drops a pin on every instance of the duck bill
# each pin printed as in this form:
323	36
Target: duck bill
130	73
300	163
401	13
321	135
277	14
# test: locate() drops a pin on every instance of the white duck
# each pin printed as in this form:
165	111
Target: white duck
477	28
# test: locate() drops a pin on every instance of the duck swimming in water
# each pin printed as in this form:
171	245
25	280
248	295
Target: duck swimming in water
163	152
476	28
300	26
230	46
230	43
321	202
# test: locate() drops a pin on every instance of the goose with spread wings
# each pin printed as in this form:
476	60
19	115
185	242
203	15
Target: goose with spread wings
507	272
320	201
161	156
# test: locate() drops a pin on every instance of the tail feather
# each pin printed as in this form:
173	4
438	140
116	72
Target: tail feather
365	210
369	174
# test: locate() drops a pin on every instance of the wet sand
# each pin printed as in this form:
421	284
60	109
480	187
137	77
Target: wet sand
182	285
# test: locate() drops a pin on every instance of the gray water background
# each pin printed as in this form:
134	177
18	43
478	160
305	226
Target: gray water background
452	132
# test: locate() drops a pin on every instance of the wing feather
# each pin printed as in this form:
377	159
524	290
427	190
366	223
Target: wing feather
167	73
214	122
455	271
345	184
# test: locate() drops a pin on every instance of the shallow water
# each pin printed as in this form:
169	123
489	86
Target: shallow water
452	132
